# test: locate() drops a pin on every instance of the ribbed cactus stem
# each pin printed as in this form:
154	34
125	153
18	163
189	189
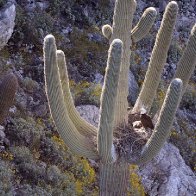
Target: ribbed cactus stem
74	140
8	88
108	99
122	25
187	62
114	179
144	25
164	123
81	125
107	31
158	59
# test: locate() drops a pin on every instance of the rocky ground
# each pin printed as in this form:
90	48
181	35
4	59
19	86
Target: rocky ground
32	156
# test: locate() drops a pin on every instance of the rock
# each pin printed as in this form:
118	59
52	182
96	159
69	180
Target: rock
166	175
2	134
42	5
7	17
133	89
29	5
98	79
89	113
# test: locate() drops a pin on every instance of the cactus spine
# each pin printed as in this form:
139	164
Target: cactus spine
78	134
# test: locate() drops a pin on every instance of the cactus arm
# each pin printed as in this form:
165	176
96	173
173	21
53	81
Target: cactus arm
81	125
8	88
187	62
74	140
158	59
122	25
108	98
164	123
144	25
107	31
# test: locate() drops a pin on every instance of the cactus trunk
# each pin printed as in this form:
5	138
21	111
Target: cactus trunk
114	179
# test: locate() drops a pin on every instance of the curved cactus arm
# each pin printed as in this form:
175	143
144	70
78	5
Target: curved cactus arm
73	139
8	88
107	31
108	98
187	62
158	59
81	125
164	123
144	25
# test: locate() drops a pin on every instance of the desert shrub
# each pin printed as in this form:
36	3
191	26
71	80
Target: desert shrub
6	175
51	152
32	172
189	98
21	154
25	132
33	190
86	93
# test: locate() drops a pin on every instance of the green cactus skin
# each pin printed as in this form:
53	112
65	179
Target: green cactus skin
158	59
144	25
75	141
187	62
81	125
107	31
108	99
162	129
8	88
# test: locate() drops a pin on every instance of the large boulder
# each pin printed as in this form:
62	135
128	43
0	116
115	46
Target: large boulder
7	17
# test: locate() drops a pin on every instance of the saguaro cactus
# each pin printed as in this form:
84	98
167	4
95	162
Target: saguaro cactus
8	88
111	148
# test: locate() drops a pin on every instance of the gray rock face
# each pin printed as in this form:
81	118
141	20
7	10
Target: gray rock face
166	175
133	89
90	113
7	17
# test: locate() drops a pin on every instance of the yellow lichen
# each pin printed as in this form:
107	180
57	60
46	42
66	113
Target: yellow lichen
136	187
79	187
6	156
